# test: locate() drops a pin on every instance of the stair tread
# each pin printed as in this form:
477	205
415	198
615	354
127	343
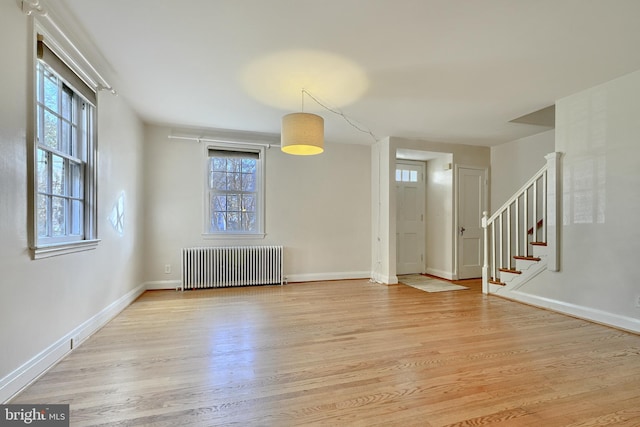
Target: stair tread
527	258
510	270
539	243
496	282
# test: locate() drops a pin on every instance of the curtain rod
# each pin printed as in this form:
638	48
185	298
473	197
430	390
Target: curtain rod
32	7
226	141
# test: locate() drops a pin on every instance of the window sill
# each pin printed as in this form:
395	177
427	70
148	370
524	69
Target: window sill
49	251
231	236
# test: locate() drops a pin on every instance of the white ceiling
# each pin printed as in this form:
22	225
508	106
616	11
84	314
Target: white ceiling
443	70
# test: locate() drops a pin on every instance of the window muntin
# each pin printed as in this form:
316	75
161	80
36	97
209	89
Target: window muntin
406	175
234	199
64	133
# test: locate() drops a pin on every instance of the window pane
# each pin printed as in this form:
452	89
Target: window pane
405	175
43	172
234	181
67	103
248	203
248	182
218	181
51	91
219	203
414	176
398	175
218	164
76	218
65	140
43	231
58	175
58	214
233	221
218	221
234	165
249	165
50	130
248	221
233	202
76	180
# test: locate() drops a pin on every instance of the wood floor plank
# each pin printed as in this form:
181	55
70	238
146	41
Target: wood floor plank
345	353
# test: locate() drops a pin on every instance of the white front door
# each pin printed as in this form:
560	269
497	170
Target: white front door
410	207
471	204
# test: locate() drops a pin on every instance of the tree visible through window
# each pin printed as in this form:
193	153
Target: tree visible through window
64	183
234	191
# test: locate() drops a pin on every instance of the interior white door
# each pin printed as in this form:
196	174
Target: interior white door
471	204
410	207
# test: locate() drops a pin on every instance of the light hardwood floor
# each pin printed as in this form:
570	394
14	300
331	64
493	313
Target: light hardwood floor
345	353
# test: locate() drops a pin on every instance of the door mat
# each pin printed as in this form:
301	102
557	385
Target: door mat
429	284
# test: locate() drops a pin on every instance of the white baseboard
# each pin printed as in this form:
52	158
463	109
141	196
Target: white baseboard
441	273
383	279
162	284
587	313
316	277
31	370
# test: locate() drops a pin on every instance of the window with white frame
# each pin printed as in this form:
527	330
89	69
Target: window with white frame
235	180
64	172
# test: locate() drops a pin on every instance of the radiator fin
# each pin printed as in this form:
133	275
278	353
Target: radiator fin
216	267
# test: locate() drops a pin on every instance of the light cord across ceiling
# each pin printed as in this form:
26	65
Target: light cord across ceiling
336	111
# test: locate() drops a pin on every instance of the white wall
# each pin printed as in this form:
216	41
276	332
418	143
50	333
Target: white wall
599	133
43	301
515	162
439	216
317	207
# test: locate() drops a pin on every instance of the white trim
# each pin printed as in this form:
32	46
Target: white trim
261	174
586	313
63	249
441	273
384	279
318	277
163	284
31	370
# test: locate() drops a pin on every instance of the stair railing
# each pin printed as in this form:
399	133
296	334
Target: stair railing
528	217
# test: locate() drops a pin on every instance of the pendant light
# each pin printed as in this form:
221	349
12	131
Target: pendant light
302	134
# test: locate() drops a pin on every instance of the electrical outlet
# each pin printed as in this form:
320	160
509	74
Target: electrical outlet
167	268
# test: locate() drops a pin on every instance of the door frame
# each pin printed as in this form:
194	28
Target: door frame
456	209
423	229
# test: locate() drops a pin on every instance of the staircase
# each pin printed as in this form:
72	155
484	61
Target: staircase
521	237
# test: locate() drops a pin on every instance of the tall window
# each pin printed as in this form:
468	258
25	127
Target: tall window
234	192
65	139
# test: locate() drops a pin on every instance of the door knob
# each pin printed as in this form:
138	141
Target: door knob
462	230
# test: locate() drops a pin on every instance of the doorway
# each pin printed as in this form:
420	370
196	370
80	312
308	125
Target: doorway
471	189
410	214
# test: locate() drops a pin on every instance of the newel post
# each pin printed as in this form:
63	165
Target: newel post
554	203
485	264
